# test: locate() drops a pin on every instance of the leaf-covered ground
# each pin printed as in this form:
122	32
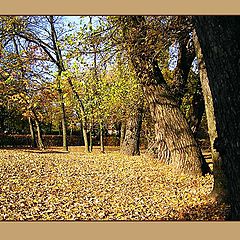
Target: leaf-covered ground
54	185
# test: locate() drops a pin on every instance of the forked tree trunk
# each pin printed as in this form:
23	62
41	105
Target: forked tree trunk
173	135
220	188
186	55
220	43
131	142
33	136
81	114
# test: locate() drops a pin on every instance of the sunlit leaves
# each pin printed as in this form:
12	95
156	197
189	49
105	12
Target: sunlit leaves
78	186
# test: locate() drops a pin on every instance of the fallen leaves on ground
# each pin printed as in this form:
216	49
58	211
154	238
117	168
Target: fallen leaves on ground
78	186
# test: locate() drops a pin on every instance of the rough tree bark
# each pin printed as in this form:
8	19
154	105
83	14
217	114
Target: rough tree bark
173	135
219	190
220	43
131	141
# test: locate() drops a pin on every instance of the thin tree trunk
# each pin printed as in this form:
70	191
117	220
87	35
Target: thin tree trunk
131	142
85	138
101	138
122	132
220	188
63	113
90	138
81	114
220	43
64	125
33	136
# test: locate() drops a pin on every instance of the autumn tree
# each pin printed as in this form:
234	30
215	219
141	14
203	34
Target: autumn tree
174	140
45	32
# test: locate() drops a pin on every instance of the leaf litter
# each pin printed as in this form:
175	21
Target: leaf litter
89	187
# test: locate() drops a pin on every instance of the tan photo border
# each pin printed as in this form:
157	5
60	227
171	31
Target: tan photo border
119	230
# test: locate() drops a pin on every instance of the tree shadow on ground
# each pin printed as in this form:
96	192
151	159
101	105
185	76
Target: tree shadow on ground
209	211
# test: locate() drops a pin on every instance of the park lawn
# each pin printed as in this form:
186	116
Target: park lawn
55	185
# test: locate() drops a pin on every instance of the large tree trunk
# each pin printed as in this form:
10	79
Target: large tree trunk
176	142
220	190
33	136
220	43
131	141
